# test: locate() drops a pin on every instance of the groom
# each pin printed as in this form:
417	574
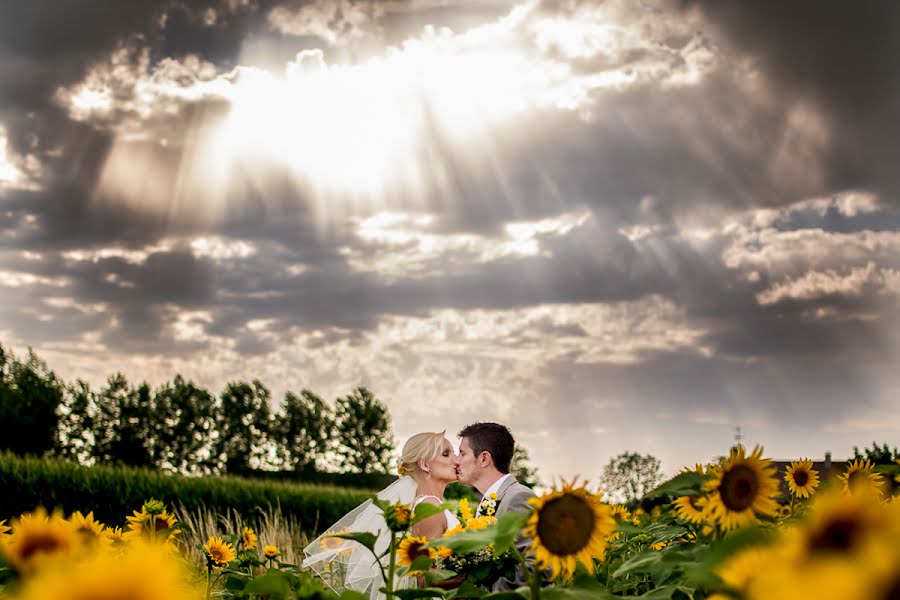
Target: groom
485	453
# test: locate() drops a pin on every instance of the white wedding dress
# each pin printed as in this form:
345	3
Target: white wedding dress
344	564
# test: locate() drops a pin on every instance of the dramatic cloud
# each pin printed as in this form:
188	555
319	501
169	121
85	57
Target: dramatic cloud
610	225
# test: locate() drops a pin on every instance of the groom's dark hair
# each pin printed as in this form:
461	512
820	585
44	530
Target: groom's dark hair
493	437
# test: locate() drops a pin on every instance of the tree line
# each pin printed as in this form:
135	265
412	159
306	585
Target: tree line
182	427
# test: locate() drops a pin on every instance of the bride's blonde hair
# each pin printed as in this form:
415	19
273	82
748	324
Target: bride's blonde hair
422	446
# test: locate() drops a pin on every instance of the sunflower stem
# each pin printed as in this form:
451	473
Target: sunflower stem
392	565
534	577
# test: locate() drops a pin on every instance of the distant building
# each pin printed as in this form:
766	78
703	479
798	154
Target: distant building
828	469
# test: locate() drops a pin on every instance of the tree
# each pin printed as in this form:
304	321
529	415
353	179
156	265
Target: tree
242	424
75	439
123	424
30	394
303	430
363	431
879	455
522	470
630	475
184	415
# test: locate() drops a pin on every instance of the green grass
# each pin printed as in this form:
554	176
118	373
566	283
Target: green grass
113	492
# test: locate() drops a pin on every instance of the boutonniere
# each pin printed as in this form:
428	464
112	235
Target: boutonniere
488	505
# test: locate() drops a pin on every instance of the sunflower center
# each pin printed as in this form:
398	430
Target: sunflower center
739	488
162	524
39	543
415	550
838	535
801	478
893	591
217	554
565	525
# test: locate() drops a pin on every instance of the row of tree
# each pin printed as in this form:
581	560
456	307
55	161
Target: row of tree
182	427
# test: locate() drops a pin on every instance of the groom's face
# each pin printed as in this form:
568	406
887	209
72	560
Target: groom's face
466	463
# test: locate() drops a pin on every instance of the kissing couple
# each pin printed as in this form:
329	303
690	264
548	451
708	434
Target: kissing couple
427	464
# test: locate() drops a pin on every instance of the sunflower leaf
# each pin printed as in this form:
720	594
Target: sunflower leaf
665	592
467	590
582	589
363	537
273	584
509	526
517	595
466	541
641	563
421	563
683	484
414	593
425	510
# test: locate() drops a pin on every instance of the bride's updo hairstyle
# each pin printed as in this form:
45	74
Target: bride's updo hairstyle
422	446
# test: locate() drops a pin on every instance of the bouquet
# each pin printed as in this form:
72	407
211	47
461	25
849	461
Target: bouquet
479	567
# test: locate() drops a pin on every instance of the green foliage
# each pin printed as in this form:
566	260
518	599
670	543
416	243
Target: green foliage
879	455
242	423
185	419
522	470
303	430
363	432
114	491
30	394
631	475
683	484
122	425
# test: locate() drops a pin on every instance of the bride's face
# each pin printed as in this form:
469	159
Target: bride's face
442	467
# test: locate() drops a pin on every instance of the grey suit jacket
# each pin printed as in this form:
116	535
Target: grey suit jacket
513	496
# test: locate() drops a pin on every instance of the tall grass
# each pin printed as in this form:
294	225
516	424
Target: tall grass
270	525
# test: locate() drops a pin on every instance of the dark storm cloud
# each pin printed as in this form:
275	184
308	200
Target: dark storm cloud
844	57
647	155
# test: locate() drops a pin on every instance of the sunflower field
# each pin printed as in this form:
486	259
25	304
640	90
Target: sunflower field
716	531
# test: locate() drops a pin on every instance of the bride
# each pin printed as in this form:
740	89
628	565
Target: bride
425	468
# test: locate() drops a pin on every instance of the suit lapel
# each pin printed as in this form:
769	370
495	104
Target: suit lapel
503	488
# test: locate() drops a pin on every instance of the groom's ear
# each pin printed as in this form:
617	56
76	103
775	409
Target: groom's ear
485	459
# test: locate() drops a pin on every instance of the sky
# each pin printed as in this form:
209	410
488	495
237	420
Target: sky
613	226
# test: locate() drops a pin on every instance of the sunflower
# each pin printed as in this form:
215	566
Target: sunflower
690	508
411	548
846	547
249	538
141	573
620	512
164	527
860	477
741	489
114	534
38	537
465	510
88	529
398	517
740	569
801	478
471	525
568	525
3	528
218	552
270	551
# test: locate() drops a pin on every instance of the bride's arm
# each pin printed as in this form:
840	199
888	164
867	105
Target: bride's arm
432	527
